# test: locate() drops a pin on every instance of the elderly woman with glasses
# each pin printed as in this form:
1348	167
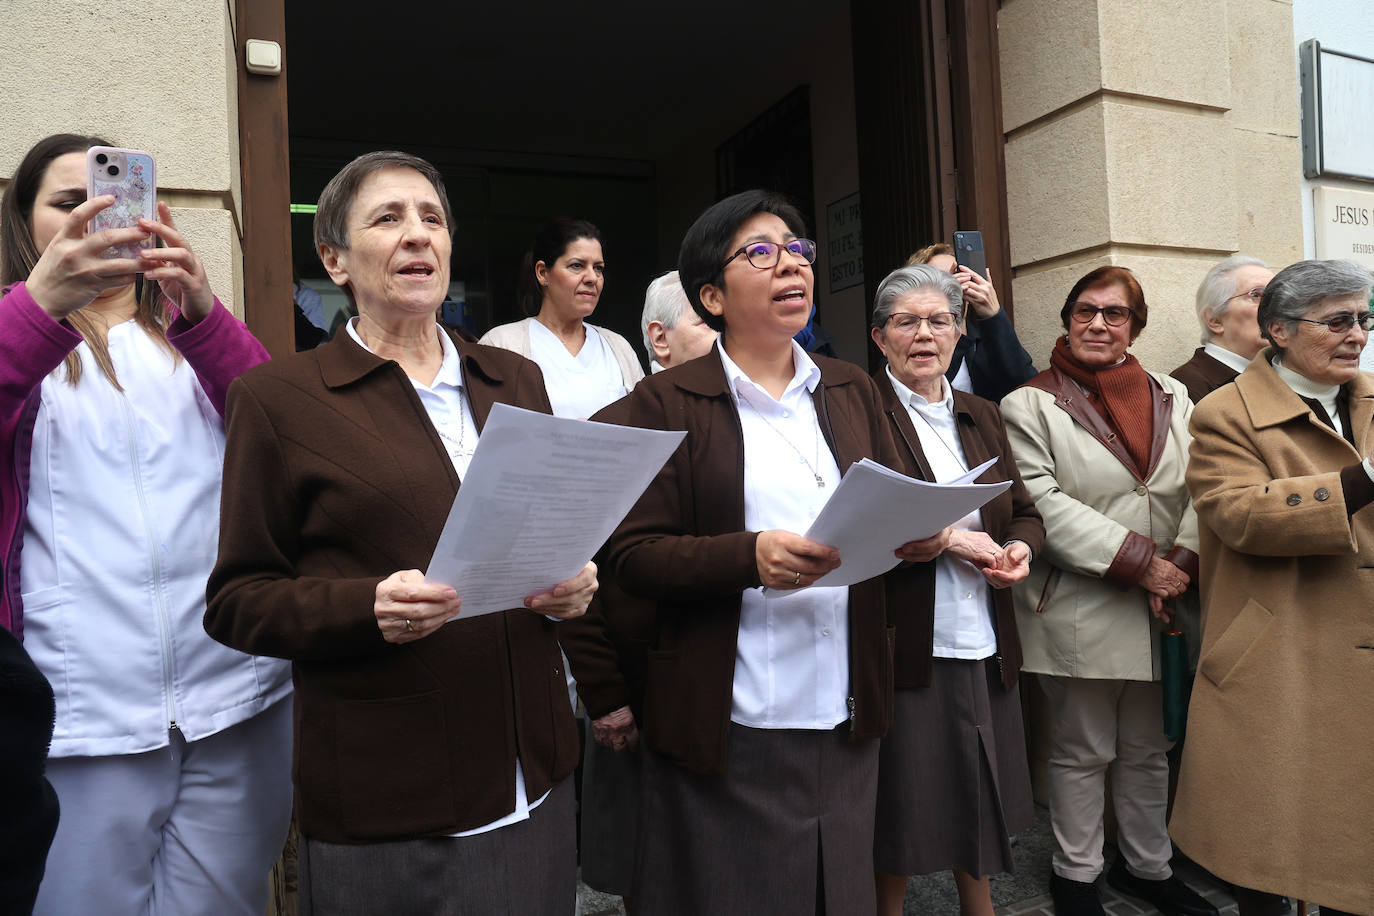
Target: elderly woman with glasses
953	784
1274	793
1102	447
1227	300
764	697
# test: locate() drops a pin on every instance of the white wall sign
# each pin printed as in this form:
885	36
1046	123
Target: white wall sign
844	259
1337	95
1344	224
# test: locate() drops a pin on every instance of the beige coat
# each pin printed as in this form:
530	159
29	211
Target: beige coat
1277	785
1087	624
516	338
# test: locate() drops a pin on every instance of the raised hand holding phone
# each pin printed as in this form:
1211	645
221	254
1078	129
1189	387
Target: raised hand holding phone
75	267
176	267
972	273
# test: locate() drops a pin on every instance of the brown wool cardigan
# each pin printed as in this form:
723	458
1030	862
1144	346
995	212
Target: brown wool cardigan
334	479
684	546
1203	374
1010	516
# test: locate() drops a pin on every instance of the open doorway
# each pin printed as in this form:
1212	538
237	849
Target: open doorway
633	117
637	118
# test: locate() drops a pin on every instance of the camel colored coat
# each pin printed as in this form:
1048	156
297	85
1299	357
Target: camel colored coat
1277	785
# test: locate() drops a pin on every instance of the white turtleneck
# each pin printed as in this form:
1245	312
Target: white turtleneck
1324	395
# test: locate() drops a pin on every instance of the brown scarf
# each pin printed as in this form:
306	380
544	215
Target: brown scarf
1122	391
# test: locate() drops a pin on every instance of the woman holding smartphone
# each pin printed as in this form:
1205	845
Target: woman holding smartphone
171	753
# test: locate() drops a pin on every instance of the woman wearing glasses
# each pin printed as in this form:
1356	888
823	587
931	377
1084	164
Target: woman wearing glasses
1227	300
1274	789
953	785
1102	446
763	698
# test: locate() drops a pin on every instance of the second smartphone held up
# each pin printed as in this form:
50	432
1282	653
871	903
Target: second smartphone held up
968	251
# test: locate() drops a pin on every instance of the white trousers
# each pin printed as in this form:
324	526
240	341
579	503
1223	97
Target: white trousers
1100	725
188	829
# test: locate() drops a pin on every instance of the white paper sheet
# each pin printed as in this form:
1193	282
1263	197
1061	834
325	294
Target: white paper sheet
540	497
875	510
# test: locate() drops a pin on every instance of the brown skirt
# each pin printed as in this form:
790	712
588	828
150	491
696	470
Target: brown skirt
529	867
953	784
610	818
787	829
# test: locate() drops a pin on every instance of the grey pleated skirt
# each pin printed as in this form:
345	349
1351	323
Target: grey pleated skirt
953	784
519	870
787	829
610	818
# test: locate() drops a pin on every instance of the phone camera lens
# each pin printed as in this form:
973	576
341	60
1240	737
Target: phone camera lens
114	170
101	158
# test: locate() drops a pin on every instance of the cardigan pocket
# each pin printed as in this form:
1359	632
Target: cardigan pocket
392	764
1231	647
672	722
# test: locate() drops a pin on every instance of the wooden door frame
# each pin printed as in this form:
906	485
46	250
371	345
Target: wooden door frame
928	113
981	183
264	169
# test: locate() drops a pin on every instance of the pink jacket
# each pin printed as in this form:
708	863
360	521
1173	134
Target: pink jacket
218	349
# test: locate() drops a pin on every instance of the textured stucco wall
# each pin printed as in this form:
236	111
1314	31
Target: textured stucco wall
156	75
1162	137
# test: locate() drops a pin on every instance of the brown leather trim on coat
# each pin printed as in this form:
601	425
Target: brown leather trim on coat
1077	404
1131	560
1186	560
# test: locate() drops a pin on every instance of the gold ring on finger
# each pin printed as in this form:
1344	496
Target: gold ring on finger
796	580
409	627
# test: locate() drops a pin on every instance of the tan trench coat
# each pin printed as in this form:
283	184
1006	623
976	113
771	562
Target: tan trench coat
1276	790
1088	625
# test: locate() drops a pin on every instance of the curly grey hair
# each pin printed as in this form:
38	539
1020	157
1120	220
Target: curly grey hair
905	280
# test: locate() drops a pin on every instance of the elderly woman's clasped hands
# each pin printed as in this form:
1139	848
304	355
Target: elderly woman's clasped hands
409	608
1002	566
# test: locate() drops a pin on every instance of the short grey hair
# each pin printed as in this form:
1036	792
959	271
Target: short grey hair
1298	287
666	302
331	214
1217	289
906	280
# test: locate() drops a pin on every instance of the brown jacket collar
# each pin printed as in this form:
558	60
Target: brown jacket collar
705	377
342	363
1075	402
901	419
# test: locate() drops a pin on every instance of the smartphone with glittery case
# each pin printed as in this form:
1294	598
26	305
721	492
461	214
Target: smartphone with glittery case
131	176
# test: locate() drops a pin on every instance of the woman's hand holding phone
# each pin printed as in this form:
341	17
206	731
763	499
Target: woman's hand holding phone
176	268
73	270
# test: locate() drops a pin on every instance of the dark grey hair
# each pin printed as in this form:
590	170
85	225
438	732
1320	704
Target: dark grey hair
906	280
331	215
1298	287
1218	288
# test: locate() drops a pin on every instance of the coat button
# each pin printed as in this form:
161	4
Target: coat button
1140	490
1322	494
1294	499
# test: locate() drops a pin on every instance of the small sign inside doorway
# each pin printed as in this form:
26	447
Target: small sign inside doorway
844	243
